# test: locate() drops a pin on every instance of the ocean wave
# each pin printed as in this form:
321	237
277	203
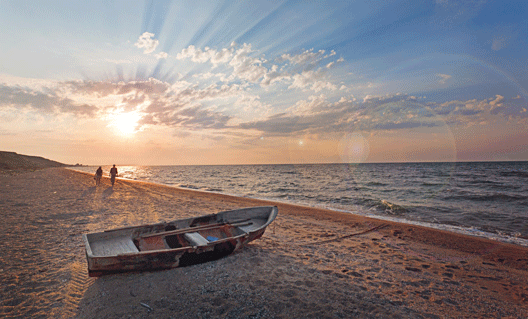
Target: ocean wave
487	197
483	182
393	208
285	190
188	186
515	174
429	184
383	206
451	194
376	184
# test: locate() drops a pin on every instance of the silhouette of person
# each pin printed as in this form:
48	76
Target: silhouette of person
113	174
98	175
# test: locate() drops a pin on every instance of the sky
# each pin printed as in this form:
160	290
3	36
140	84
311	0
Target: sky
264	82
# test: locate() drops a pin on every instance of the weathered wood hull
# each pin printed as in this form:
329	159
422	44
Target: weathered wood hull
177	243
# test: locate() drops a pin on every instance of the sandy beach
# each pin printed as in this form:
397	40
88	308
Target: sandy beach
310	263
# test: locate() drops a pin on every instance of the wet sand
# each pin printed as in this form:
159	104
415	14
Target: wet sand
310	263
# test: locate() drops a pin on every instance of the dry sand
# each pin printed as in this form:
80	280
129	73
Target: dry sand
311	263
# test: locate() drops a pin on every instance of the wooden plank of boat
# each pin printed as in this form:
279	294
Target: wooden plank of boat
176	243
196	228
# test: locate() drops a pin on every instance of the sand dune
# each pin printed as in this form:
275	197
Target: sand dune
12	162
311	263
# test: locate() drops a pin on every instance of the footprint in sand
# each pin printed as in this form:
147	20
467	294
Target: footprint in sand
414	269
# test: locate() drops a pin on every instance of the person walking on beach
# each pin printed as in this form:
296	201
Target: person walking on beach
113	174
98	175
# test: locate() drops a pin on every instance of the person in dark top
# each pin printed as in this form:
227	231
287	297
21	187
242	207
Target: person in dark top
98	175
113	174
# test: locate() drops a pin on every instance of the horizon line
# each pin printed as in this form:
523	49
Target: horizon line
333	163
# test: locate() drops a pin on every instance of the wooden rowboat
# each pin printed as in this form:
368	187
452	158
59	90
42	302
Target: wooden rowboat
177	243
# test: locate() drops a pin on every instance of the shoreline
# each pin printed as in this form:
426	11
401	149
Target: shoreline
310	263
463	230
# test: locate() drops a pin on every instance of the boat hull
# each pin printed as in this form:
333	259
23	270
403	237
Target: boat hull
175	244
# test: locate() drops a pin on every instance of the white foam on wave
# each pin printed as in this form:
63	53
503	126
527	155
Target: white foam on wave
471	231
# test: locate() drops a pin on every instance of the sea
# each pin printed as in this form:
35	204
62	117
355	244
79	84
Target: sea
486	199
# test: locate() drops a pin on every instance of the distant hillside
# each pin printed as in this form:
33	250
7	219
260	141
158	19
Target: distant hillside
13	161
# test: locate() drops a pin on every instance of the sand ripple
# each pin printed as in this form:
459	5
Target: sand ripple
42	267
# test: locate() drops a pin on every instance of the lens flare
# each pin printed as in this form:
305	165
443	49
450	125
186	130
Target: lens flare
354	148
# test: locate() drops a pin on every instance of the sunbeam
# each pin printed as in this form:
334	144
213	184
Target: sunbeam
224	73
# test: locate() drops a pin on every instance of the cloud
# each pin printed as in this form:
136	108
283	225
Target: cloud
309	60
470	107
403	125
444	78
502	36
181	104
161	55
318	115
46	102
248	66
235	97
209	75
497	102
315	104
312	80
274	75
306	58
498	43
284	125
252	103
147	43
206	55
233	109
244	65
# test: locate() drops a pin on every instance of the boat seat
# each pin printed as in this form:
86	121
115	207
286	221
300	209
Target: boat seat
195	239
114	246
246	228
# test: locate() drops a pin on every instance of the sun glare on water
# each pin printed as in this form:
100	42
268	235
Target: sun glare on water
125	123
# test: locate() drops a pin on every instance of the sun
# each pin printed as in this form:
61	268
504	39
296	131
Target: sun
125	123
